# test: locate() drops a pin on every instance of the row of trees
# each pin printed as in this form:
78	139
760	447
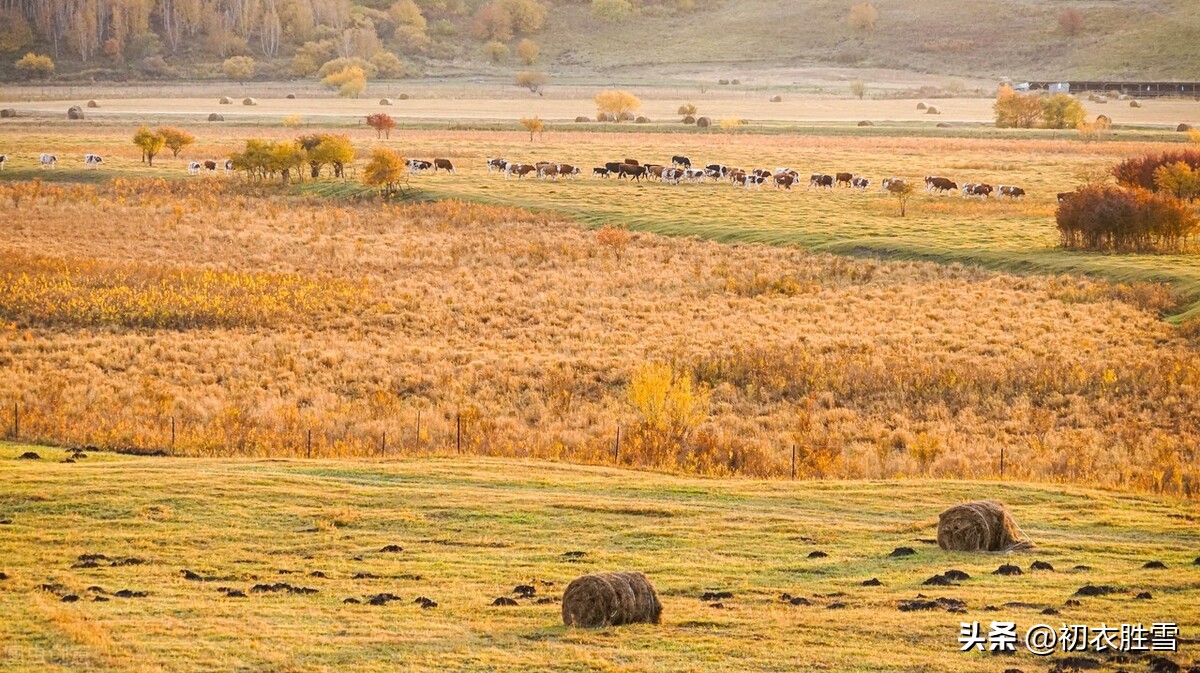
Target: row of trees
153	141
1017	110
264	159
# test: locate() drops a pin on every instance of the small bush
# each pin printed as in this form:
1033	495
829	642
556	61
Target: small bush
1070	21
1140	171
1107	218
722	82
7	112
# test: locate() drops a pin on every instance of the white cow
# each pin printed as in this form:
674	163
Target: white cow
194	168
49	160
3	160
92	160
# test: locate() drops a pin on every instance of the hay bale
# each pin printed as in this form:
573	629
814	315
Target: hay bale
722	82
983	525
866	122
641	120
385	101
93	104
626	117
249	101
226	100
610	599
75	112
605	117
1134	103
7	113
1104	119
776	99
214	117
735	81
403	96
689	119
582	120
943	125
1183	128
931	110
291	96
921	106
704	122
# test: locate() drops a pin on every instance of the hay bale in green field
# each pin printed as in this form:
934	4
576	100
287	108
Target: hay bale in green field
610	599
983	525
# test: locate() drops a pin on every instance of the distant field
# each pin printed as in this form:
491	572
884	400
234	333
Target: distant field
471	529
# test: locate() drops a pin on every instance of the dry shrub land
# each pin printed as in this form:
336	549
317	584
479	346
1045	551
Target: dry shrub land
251	319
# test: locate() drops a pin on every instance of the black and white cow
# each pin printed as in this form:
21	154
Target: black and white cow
820	180
3	160
1011	191
681	161
92	160
194	167
858	182
49	160
601	171
496	165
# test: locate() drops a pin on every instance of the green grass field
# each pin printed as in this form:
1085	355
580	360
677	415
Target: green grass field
472	529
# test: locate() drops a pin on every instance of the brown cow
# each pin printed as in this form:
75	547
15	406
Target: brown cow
785	180
631	162
443	164
210	166
843	179
654	170
548	171
520	170
636	172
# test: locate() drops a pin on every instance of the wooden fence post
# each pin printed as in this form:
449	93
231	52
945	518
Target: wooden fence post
383	444
458	432
617	447
16	421
793	461
308	445
172	434
1002	462
418	427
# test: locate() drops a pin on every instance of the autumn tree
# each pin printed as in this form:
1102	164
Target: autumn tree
533	125
1014	110
533	81
1179	179
902	191
33	66
382	123
150	142
286	157
619	104
527	51
175	139
350	82
326	149
1061	111
858	89
411	26
15	33
1070	21
496	50
385	170
863	16
240	68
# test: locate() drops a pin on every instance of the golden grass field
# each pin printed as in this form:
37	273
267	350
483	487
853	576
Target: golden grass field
471	529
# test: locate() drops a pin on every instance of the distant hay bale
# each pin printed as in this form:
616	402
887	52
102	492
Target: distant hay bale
610	599
866	122
214	117
921	106
74	112
776	99
291	96
641	120
226	100
7	112
943	125
581	119
249	101
983	525
689	120
722	82
704	122
1104	119
931	110
1183	128
403	96
626	117
93	104
735	82
385	101
1134	103
605	117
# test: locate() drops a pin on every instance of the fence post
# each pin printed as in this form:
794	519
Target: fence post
458	432
16	421
1002	462
308	445
418	427
793	461
617	446
172	434
383	444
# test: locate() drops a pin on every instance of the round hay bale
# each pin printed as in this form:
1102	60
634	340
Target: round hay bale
1102	101
226	100
641	120
776	99
943	125
689	120
249	101
610	599
7	112
1183	128
291	96
385	101
605	117
74	112
704	122
403	96
214	117
866	122
983	525
626	117
735	82
1104	119
921	106
93	104
581	119
1134	103
722	82
931	110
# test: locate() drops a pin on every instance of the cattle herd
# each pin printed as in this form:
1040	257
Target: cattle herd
681	170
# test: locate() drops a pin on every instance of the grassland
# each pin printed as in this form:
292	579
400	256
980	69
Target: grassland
472	529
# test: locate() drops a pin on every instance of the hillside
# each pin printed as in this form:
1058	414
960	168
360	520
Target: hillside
758	41
469	530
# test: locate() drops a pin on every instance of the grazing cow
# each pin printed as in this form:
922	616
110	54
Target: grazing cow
672	176
1011	191
229	165
496	164
695	174
210	166
981	190
569	171
755	181
3	160
895	185
92	160
548	171
194	168
784	180
940	185
613	167
631	162
654	170
820	180
443	164
634	171
49	160
681	161
843	179
1063	196
761	172
520	170
601	171
860	183
716	171
418	165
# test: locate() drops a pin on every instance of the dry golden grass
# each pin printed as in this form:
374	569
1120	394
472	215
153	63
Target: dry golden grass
526	332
